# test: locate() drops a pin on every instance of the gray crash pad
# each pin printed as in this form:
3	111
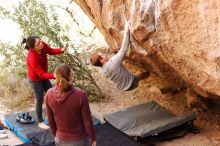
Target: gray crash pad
146	119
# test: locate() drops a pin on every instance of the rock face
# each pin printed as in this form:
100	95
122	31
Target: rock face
179	40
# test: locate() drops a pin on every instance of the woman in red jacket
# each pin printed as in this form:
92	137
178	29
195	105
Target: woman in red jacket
37	65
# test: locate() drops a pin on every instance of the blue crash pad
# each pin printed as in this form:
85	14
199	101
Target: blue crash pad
21	130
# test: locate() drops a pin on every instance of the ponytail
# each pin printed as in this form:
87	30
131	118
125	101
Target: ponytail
63	84
62	73
24	41
29	41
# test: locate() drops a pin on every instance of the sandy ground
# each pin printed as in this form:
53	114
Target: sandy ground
148	89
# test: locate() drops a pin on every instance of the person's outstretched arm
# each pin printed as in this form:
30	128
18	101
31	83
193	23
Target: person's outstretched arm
54	51
117	59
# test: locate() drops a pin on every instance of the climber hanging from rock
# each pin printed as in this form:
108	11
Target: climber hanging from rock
113	68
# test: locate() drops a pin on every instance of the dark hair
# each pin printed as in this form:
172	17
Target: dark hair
95	60
30	41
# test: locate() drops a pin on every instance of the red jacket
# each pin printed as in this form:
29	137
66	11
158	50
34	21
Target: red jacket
37	64
69	114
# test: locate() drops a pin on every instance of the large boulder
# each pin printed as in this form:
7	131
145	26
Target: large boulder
178	40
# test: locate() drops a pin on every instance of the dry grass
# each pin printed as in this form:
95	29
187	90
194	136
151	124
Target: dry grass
15	92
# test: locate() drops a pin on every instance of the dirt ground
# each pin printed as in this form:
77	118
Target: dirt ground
148	89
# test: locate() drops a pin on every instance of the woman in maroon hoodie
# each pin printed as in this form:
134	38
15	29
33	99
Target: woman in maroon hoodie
68	111
37	65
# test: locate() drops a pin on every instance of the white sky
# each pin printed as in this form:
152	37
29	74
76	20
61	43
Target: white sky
10	32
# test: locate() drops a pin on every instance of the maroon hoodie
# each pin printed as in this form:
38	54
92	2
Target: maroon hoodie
69	114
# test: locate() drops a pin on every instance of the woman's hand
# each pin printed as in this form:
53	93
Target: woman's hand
65	47
94	143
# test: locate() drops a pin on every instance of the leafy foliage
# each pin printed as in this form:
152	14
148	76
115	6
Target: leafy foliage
34	18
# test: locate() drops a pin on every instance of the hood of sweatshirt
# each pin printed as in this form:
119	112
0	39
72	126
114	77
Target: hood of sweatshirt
61	97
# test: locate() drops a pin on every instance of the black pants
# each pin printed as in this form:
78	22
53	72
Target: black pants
40	88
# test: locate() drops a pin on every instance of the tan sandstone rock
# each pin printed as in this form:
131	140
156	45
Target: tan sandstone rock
179	40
